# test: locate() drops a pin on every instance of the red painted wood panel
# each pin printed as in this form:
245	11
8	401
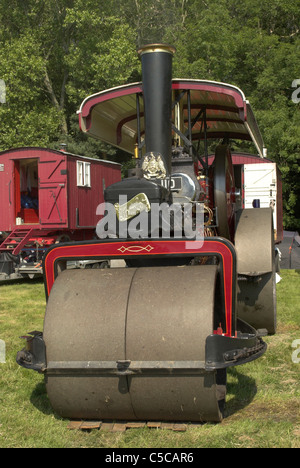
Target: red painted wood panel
83	201
53	207
62	204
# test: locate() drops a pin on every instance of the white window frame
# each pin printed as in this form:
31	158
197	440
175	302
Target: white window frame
83	174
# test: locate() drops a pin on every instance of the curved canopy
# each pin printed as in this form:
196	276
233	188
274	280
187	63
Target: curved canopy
116	116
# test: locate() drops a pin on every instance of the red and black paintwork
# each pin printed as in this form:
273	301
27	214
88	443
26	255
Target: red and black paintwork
109	249
232	343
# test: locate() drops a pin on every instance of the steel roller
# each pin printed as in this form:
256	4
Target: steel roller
145	315
256	268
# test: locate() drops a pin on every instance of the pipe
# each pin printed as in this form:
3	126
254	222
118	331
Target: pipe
157	91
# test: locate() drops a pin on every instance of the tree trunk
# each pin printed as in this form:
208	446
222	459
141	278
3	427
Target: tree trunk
58	106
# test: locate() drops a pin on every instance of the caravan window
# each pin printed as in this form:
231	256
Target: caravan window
83	174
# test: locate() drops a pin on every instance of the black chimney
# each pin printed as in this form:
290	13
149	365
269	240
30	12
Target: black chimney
157	89
151	184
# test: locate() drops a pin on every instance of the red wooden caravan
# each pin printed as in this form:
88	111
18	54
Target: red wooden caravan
48	196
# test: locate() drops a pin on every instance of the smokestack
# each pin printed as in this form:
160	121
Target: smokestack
157	89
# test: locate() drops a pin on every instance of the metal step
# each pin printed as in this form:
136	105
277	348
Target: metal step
16	240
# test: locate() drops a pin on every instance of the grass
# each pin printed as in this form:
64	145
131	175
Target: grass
263	408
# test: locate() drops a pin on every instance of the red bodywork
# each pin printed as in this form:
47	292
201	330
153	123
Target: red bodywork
111	115
49	179
217	247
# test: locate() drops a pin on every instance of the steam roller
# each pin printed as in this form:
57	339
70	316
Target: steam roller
153	339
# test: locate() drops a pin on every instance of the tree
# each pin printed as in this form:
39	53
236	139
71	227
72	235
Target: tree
54	54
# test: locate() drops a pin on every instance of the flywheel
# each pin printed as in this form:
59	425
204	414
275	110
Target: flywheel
224	192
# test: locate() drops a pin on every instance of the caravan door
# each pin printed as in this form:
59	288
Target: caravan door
53	191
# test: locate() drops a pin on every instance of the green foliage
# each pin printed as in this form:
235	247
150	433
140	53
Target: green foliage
54	54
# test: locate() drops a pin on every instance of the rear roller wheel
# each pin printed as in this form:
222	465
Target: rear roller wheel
254	243
158	314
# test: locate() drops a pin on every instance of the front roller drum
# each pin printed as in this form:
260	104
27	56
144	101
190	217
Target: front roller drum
146	316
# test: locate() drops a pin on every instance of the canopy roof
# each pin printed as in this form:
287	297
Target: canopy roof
112	115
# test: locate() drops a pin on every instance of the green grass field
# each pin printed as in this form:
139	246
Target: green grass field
263	403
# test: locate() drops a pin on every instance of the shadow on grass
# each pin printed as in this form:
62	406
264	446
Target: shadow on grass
20	281
241	390
40	400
